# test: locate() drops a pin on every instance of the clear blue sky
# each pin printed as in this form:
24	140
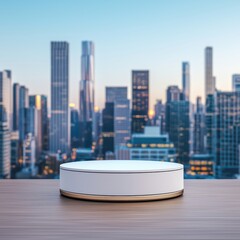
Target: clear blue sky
128	34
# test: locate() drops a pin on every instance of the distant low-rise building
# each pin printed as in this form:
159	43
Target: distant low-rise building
84	154
150	145
200	166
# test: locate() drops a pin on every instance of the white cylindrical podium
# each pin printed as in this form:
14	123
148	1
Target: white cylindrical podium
121	180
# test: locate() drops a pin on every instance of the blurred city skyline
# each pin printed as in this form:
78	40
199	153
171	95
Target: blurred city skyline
153	35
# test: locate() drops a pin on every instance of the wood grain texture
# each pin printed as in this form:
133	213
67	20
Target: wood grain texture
34	209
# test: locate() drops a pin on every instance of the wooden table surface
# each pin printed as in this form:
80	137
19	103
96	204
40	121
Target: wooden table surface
33	209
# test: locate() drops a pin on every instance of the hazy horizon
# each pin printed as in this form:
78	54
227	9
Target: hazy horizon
128	35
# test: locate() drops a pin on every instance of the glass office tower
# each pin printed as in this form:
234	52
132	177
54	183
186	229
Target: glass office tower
199	128
5	123
209	78
140	100
226	134
60	119
186	80
87	94
6	95
122	127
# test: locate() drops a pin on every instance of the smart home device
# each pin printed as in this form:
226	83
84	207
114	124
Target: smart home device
121	180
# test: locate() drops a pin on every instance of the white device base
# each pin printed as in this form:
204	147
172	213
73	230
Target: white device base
121	180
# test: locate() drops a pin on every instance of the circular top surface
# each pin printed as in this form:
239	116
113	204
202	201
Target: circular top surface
121	166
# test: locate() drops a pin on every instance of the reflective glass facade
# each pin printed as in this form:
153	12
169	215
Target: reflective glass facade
60	119
186	80
87	94
209	79
140	100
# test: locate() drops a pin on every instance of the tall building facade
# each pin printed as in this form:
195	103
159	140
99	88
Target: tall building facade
16	92
32	120
74	128
97	133
23	105
60	119
116	93
199	128
178	125
35	111
29	154
140	100
39	102
108	128
97	125
209	78
5	148
122	128
45	123
15	150
20	106
6	95
226	134
209	123
186	80
87	94
160	116
236	82
5	123
173	94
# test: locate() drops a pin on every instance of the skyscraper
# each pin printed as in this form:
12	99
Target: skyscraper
209	123
23	105
236	82
186	80
209	78
35	114
60	119
5	123
16	92
5	147
15	150
87	94
173	93
97	125
32	120
178	128
97	133
122	128
198	142
115	93
108	128
74	128
160	116
29	157
6	95
5	144
140	100
45	123
178	123
226	134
